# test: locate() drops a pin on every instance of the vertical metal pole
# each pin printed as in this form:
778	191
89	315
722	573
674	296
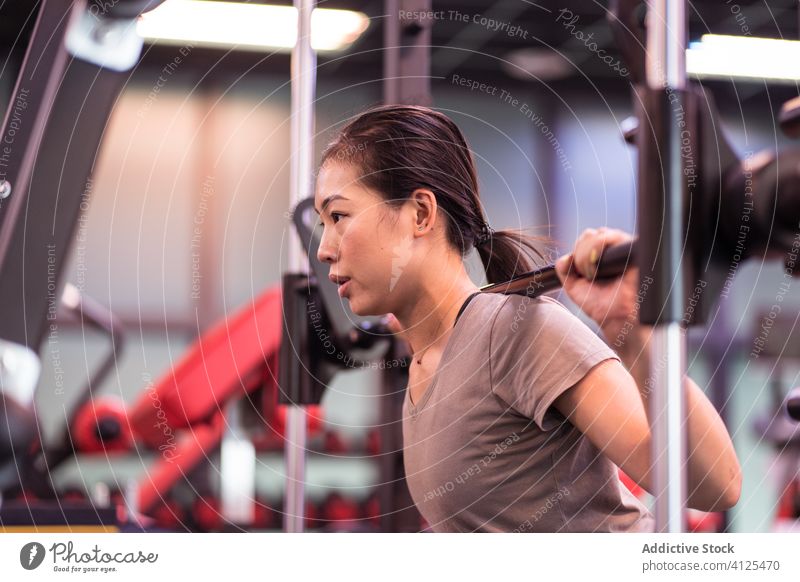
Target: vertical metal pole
666	69
391	52
406	53
406	80
303	82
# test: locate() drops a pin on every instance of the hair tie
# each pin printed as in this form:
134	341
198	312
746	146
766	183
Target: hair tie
484	236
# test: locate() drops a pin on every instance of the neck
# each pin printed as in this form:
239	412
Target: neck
429	318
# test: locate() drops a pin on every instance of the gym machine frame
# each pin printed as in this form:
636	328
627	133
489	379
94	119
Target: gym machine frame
75	66
303	371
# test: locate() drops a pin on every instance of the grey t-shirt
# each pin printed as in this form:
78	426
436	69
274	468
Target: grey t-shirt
483	448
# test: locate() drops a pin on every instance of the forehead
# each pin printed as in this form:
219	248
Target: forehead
337	181
336	176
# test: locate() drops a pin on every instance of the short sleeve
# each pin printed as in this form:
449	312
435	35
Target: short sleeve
538	349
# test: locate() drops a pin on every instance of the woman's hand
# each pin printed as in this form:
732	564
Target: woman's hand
611	303
620	429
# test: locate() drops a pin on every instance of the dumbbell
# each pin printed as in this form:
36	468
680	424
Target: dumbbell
334	444
372	510
73	494
373	445
117	500
23	496
340	511
207	513
313	518
101	425
789	502
169	514
793	403
265	516
312	512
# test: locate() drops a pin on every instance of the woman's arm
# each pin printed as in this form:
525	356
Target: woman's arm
714	475
610	404
609	407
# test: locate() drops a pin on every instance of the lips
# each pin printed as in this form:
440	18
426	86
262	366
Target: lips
342	282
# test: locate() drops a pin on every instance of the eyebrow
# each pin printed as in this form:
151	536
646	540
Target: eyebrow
328	200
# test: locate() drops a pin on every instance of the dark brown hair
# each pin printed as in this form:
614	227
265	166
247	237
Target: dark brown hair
400	148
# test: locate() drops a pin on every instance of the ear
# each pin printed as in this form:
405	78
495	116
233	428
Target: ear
425	209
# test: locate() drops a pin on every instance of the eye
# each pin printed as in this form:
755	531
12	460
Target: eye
334	215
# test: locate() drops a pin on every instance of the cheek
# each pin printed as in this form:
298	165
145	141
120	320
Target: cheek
369	252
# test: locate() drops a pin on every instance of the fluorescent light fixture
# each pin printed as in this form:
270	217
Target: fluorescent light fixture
247	26
746	57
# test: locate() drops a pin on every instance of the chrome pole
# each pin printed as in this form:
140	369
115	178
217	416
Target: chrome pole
303	83
666	70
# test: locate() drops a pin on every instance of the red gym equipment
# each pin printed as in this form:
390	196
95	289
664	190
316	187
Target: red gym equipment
182	414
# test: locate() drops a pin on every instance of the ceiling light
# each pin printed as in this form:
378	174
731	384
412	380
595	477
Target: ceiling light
746	57
247	26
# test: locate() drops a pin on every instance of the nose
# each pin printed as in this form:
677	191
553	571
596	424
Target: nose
326	253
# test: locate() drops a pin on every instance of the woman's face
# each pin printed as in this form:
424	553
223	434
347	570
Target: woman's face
366	242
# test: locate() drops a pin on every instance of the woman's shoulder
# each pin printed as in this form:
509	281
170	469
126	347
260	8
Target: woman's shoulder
500	314
513	310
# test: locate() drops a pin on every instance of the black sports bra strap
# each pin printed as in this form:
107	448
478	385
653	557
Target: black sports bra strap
464	306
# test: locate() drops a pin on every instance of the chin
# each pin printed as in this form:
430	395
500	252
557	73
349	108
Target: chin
359	310
363	310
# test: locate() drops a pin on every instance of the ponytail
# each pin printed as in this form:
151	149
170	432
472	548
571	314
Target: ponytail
510	253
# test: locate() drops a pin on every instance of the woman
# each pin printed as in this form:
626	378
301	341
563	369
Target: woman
517	416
